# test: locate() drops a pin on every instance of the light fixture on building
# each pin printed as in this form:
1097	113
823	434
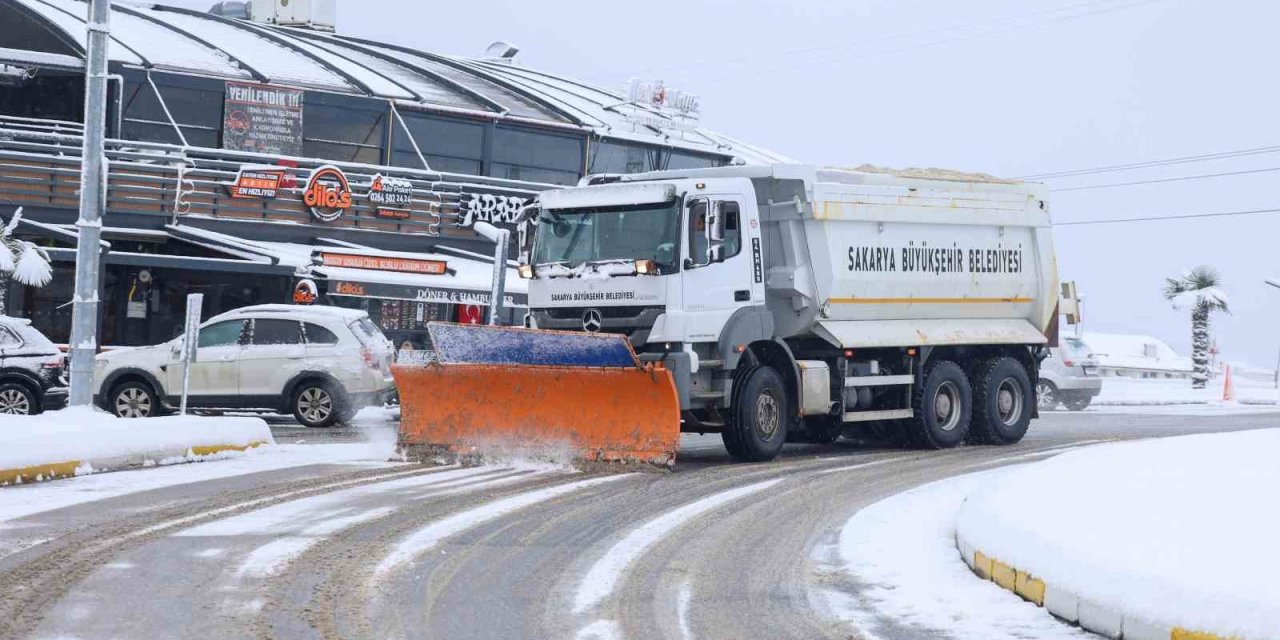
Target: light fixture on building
501	51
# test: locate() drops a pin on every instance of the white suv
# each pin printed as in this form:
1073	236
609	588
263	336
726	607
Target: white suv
322	364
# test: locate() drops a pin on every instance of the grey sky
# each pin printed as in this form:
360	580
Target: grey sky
1011	87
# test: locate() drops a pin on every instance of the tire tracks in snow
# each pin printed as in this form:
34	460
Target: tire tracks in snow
343	580
36	578
743	567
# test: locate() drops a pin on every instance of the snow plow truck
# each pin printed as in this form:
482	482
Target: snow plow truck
770	304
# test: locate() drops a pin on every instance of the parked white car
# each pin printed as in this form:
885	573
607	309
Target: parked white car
321	364
1069	376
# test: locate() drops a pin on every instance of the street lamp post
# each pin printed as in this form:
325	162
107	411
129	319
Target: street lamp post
93	201
1276	284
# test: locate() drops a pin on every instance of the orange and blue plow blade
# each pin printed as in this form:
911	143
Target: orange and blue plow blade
510	391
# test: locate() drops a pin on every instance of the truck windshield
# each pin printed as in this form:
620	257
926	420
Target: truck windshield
577	236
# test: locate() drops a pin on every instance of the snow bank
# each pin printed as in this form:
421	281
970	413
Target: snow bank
894	565
87	440
1156	392
1171	533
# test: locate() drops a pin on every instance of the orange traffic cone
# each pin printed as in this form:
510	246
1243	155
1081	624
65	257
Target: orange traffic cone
1228	389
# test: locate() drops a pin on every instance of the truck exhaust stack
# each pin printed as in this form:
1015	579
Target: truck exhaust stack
537	394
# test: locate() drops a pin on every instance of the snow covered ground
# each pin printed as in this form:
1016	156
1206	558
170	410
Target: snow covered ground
1176	532
900	555
25	500
1158	392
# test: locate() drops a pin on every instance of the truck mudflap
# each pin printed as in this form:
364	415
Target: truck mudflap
560	396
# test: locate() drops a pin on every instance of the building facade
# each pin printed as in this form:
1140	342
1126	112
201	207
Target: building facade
258	163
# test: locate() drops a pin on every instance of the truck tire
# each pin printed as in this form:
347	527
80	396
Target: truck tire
757	427
943	406
1002	400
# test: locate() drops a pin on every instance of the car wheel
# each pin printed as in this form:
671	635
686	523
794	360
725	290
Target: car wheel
17	400
317	405
1046	396
1077	404
134	400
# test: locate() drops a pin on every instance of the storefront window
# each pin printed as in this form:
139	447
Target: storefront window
449	145
520	154
25	33
194	103
343	129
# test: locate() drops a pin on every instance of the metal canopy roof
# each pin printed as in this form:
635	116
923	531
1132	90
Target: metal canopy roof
183	40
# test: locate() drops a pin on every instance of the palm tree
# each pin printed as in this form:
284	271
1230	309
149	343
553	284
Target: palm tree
1198	291
20	260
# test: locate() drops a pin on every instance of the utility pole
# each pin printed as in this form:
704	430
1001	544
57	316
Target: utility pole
1276	284
93	202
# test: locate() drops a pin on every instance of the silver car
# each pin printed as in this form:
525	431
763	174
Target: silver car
1069	376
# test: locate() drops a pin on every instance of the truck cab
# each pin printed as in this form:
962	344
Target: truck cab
669	264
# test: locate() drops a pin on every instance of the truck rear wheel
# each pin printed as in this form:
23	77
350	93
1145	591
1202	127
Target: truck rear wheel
759	415
943	406
1002	400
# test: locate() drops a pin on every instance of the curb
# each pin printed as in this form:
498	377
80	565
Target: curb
1069	607
72	468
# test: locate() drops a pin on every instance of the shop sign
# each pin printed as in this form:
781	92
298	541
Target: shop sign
382	263
305	292
419	294
348	289
328	194
391	196
654	104
486	207
256	181
262	119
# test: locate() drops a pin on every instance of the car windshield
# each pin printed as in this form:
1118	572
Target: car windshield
1075	348
578	236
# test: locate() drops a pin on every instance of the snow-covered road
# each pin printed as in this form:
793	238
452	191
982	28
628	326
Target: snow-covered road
714	550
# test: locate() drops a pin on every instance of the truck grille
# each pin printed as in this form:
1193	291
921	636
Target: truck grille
633	322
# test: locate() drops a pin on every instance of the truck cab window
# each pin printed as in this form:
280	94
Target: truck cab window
699	247
730	213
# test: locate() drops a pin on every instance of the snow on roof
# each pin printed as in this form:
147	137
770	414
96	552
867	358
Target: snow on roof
1125	351
185	40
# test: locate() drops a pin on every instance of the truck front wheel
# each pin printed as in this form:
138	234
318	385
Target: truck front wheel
943	405
1001	402
759	416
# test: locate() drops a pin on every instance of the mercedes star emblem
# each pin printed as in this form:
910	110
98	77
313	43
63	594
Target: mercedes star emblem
592	321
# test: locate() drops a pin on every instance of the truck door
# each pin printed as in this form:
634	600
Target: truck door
717	264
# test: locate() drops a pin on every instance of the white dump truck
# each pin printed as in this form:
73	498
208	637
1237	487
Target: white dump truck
795	303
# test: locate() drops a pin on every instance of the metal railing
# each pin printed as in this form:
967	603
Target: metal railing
40	165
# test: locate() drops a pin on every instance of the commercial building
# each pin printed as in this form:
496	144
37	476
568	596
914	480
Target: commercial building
256	162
